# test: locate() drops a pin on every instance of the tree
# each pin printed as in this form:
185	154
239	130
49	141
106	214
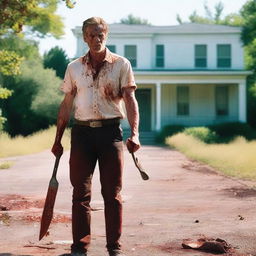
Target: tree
248	12
130	19
56	59
214	17
35	96
35	99
39	16
9	65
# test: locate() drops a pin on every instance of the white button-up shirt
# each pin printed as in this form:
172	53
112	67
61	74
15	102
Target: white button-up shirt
100	97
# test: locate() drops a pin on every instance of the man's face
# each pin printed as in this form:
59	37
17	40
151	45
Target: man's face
95	37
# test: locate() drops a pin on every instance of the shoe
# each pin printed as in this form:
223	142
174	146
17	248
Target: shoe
75	254
78	254
116	252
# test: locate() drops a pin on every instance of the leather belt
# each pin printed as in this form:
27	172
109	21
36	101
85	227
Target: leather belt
98	123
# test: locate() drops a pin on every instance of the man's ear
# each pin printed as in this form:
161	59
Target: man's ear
84	37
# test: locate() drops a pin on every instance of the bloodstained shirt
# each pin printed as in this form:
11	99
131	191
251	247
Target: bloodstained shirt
98	96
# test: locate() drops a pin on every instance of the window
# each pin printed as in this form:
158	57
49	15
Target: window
221	100
112	48
182	100
159	56
130	52
200	56
223	55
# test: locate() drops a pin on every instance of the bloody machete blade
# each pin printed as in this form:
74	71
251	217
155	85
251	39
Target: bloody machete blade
49	201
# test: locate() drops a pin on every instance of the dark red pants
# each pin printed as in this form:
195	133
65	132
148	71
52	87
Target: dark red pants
89	145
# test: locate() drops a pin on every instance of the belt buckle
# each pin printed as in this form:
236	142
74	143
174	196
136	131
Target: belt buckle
95	124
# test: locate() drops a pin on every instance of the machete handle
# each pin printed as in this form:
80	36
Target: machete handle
56	164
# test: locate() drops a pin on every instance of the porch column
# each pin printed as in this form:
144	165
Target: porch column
242	102
158	106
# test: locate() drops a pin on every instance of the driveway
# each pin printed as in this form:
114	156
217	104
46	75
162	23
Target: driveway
182	200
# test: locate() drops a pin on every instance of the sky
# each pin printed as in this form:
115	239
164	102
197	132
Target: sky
157	12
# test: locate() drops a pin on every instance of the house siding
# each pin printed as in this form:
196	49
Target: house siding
202	105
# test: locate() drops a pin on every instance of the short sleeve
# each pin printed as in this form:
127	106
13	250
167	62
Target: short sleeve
127	76
66	85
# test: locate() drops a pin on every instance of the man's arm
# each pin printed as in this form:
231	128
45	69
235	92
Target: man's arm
62	121
132	109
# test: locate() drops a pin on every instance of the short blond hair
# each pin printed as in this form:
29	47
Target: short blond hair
94	21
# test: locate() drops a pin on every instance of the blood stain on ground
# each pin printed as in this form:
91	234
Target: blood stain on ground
12	202
59	218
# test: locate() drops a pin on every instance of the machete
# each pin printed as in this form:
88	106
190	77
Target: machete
143	174
49	201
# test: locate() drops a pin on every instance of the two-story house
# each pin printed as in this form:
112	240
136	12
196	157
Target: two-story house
189	74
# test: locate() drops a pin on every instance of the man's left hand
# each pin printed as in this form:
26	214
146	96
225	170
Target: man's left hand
133	144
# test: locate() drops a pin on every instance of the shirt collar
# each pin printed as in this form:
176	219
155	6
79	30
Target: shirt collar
108	57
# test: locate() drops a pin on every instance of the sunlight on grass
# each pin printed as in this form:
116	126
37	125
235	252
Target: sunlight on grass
5	165
237	158
34	143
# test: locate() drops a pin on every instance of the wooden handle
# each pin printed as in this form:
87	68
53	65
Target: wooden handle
57	160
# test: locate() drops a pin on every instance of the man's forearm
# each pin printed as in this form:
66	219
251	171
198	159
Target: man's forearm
63	118
132	110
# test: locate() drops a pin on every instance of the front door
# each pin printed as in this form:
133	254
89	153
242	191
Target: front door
143	97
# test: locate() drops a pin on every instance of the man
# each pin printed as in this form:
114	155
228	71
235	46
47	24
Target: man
95	85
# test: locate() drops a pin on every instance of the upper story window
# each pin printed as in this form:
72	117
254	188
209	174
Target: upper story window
130	52
182	100
223	55
200	55
112	48
159	56
221	100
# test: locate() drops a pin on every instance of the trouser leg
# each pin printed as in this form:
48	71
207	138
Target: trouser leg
82	164
111	167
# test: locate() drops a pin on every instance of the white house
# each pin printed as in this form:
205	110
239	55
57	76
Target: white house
189	74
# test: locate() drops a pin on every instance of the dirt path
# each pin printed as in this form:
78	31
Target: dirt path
182	199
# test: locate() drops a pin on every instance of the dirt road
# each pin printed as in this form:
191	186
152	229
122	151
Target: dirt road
182	199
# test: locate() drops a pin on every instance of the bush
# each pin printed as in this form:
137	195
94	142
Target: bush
204	134
219	133
35	100
228	131
167	131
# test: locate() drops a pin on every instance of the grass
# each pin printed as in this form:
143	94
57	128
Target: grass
34	143
236	158
5	165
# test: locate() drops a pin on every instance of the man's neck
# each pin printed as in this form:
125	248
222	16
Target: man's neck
97	57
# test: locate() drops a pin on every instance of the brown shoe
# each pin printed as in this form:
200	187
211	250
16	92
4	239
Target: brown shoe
78	254
116	252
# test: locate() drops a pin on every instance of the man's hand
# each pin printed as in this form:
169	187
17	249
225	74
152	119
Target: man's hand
133	144
57	149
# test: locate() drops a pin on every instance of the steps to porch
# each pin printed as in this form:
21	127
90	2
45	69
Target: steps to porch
146	138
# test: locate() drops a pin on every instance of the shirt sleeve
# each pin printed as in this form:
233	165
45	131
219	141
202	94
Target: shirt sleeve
67	85
127	76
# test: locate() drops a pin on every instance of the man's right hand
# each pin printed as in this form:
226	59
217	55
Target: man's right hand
57	149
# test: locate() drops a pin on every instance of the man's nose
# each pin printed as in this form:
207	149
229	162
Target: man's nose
97	39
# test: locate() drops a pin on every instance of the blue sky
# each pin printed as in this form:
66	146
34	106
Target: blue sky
157	12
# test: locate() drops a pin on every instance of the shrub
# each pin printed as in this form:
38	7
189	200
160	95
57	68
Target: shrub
203	134
167	131
228	131
35	100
